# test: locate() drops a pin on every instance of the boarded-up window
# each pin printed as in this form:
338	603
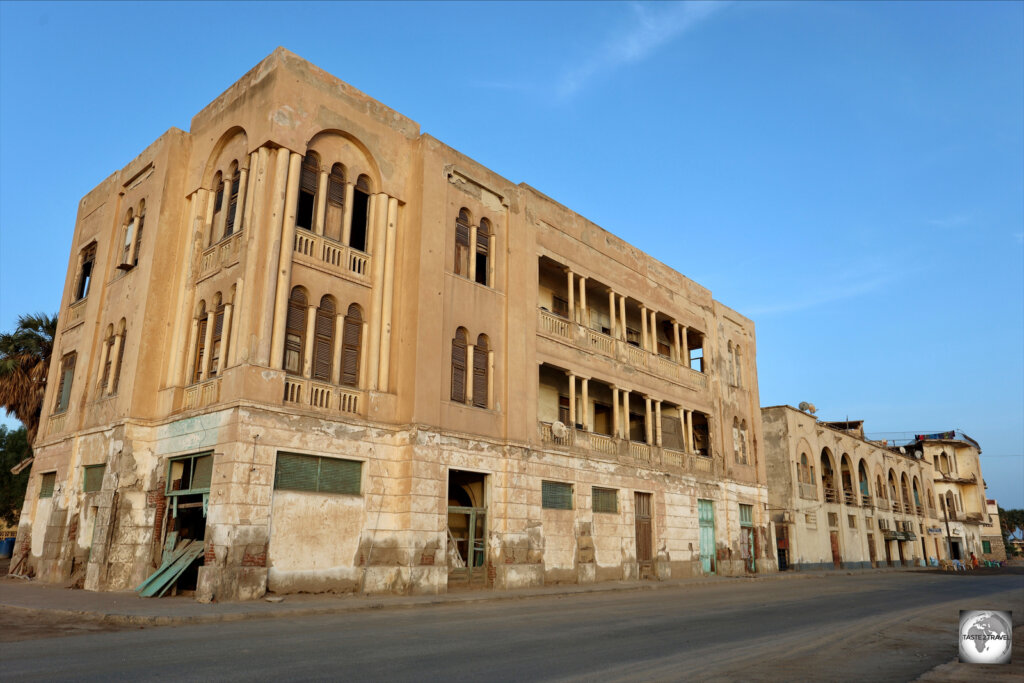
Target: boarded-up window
48	481
92	478
85	272
67	376
309	177
671	432
351	342
315	474
462	231
483	250
556	495
458	393
605	500
323	344
480	376
295	332
236	180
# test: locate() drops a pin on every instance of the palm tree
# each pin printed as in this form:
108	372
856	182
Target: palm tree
24	365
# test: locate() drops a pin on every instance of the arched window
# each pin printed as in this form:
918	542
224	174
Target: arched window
805	470
739	365
295	332
731	360
309	177
351	342
879	488
118	343
481	379
86	261
334	221
323	343
483	250
360	213
200	352
218	205
108	346
462	232
736	439
744	458
139	224
216	338
236	180
458	393
864	482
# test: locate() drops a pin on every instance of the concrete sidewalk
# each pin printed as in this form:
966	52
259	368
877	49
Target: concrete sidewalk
29	597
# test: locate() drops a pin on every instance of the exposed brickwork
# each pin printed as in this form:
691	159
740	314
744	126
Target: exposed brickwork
209	557
155	498
257	560
427	559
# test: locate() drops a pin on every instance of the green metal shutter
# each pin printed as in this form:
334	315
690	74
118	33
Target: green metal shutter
747	515
340	476
556	495
92	479
605	500
202	475
46	487
296	472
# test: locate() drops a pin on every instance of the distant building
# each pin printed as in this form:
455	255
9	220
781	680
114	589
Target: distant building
326	351
993	546
839	500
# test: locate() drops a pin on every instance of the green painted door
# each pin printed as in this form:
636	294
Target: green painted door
706	516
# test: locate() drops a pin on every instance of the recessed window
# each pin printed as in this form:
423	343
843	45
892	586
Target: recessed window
87	260
314	474
604	500
92	478
67	376
556	495
46	485
190	474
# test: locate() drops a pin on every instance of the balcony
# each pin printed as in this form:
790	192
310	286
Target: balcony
202	394
629	452
831	495
326	254
76	314
224	253
808	491
319	395
849	497
583	338
865	501
56	424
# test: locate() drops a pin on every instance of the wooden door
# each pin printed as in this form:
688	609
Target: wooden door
837	560
644	554
871	550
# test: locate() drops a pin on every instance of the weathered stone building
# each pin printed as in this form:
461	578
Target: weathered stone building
840	500
343	356
993	545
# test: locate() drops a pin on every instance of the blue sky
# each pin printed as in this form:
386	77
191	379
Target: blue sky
849	175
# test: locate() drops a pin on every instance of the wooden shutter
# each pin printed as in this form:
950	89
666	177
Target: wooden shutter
339	476
351	341
462	231
480	375
229	225
556	495
218	199
336	186
605	500
296	472
459	368
295	331
323	347
308	176
197	370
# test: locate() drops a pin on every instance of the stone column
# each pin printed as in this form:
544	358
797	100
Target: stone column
470	352
204	371
644	336
583	301
490	380
584	382
622	317
648	422
657	423
686	347
572	294
243	180
321	204
473	231
339	331
675	342
611	314
225	337
104	354
307	351
616	427
689	432
654	332
378	221
190	359
287	246
208	229
363	353
258	245
115	364
233	340
346	221
389	295
625	414
572	400
682	426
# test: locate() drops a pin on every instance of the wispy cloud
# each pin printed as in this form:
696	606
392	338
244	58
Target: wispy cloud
848	286
651	27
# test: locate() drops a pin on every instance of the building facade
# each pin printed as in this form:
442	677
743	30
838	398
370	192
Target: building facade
842	501
993	545
339	355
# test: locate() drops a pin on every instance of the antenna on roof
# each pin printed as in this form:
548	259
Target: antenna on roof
807	407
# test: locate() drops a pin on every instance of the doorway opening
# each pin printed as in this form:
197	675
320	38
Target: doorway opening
467	529
644	554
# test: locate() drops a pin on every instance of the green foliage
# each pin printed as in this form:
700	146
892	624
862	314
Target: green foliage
13	449
1012	522
24	365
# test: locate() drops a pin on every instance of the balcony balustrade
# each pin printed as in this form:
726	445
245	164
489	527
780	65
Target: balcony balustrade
865	501
76	314
224	253
335	257
849	497
56	424
202	394
808	491
584	338
314	394
831	495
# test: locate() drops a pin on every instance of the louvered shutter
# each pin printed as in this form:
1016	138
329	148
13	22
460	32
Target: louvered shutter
461	246
480	377
339	476
295	337
459	370
296	472
200	350
308	177
350	343
336	189
106	366
323	349
229	226
556	495
605	500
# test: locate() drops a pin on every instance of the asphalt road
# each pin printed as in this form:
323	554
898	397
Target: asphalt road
878	627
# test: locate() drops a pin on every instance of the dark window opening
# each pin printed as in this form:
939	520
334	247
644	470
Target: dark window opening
85	272
360	214
304	212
